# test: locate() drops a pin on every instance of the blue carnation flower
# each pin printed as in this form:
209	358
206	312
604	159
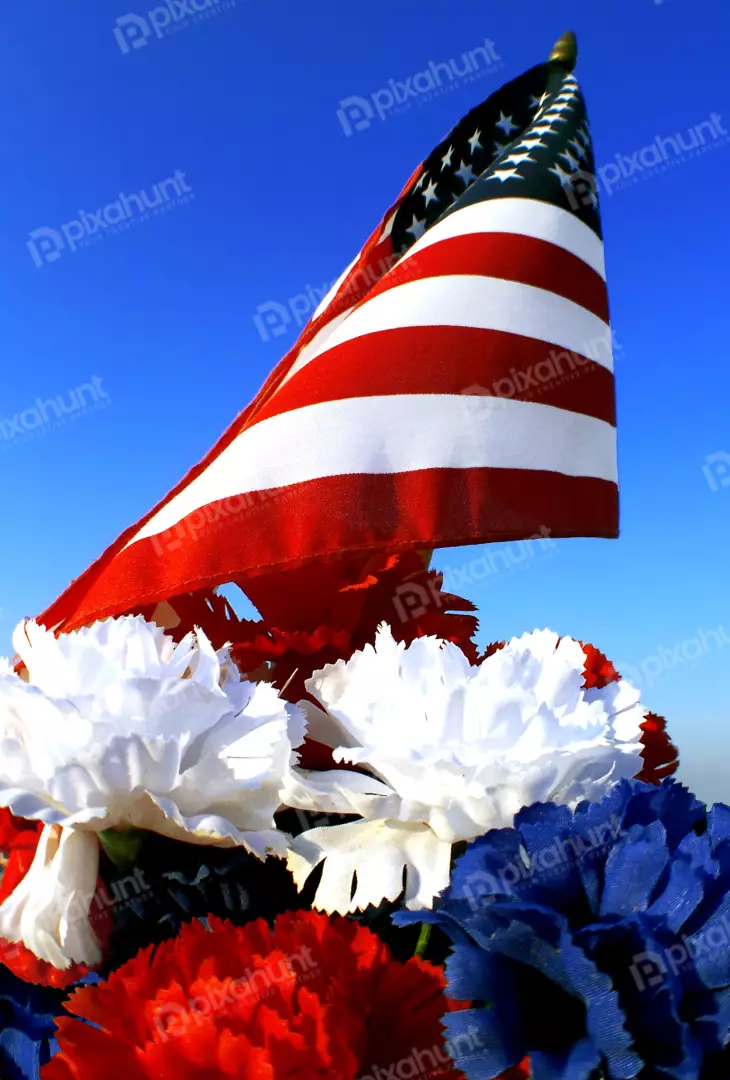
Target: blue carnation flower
27	1026
596	942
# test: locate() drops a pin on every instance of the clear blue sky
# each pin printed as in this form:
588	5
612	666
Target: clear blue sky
243	101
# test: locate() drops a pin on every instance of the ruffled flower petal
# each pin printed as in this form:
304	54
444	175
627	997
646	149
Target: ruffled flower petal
373	854
600	937
117	714
118	726
457	749
48	911
339	792
306	997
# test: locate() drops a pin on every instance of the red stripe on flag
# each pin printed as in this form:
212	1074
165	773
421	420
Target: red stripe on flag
510	257
291	526
450	360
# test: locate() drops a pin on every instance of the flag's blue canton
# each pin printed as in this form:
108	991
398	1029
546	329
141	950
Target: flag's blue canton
597	943
530	139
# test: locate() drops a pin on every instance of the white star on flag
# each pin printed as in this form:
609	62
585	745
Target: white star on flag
518	157
557	110
506	174
417	227
572	163
428	193
557	118
505	123
465	174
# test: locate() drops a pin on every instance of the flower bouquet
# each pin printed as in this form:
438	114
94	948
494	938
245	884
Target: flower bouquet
205	877
342	841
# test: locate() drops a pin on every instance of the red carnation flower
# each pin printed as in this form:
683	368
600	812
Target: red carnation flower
294	655
18	843
323	613
659	754
494	647
16	833
518	1072
598	671
312	997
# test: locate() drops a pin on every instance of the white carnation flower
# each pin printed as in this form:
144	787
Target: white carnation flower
451	751
114	726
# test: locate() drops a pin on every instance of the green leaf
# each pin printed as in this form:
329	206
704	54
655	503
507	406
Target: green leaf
122	845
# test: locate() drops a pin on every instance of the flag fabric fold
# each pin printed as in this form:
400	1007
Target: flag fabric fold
455	387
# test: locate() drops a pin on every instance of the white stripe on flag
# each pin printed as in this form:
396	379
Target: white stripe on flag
481	302
315	346
327	300
396	434
523	217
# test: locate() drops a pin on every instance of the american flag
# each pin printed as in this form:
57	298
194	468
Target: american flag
455	386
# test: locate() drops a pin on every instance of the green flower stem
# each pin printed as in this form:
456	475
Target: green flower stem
423	939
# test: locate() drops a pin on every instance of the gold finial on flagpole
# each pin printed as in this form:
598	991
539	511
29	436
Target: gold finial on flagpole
565	51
